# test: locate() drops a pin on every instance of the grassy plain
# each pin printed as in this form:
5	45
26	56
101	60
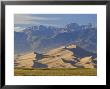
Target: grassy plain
55	72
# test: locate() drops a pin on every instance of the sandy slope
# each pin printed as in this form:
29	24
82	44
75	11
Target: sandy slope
25	60
53	59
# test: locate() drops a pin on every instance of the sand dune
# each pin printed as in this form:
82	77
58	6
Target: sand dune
25	60
53	59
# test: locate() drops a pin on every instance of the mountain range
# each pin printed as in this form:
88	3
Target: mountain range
42	38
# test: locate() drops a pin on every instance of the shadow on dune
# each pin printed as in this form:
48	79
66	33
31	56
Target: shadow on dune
39	65
65	61
80	52
36	63
72	63
38	56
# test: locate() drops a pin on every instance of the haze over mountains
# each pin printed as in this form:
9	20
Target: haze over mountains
44	38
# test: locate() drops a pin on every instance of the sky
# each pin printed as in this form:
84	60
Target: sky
21	21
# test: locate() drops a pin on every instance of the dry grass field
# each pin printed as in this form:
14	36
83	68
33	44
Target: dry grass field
55	72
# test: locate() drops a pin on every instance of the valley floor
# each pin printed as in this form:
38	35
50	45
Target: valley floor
55	72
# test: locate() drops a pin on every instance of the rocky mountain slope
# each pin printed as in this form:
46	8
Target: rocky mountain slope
42	38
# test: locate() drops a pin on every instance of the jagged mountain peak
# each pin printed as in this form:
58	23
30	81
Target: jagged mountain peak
44	38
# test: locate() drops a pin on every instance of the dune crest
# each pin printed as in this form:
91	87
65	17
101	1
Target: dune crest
61	57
